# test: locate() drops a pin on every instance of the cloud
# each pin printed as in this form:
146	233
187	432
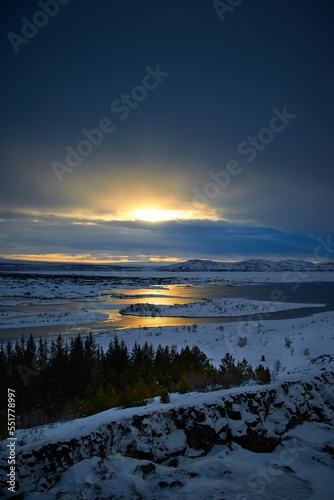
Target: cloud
224	81
277	193
103	240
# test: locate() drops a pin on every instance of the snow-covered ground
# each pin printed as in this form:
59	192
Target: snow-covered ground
83	286
25	319
272	442
214	308
291	341
300	466
297	470
266	339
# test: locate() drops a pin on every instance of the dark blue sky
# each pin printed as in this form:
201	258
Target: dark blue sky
224	85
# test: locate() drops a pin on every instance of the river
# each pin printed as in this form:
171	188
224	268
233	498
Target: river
322	293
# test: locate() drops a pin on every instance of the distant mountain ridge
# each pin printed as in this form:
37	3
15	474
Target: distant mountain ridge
192	265
255	265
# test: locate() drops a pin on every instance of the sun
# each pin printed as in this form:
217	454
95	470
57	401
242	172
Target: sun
156	214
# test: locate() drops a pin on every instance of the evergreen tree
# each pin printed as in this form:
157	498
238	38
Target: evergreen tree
163	367
229	372
262	375
244	370
136	395
183	386
77	369
55	380
227	363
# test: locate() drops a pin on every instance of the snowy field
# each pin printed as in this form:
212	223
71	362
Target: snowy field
79	286
51	300
26	319
214	308
291	341
299	467
225	472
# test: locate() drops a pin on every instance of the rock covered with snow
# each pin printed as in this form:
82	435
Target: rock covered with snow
255	418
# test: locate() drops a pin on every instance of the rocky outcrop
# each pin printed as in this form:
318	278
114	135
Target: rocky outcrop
255	418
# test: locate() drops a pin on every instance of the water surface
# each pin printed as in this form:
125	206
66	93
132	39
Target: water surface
312	293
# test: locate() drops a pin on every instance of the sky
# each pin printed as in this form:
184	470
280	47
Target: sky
157	131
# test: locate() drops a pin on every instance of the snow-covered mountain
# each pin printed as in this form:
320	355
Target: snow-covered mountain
226	444
255	265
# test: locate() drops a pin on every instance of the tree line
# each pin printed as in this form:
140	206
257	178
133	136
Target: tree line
62	379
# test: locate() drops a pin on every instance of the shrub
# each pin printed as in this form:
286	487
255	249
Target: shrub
306	352
288	342
242	341
276	369
164	396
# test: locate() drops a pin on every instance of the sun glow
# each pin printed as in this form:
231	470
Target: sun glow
157	215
